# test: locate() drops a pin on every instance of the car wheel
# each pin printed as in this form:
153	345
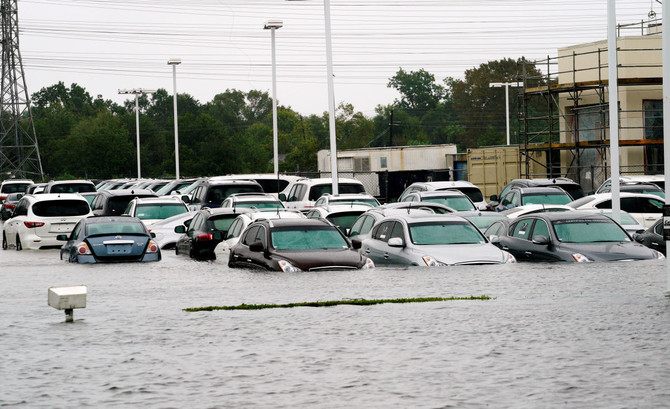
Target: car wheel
4	241
19	247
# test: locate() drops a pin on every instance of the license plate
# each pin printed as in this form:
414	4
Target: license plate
61	227
118	248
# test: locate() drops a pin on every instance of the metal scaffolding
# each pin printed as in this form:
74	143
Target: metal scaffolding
19	152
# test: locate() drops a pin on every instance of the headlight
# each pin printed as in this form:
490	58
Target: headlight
368	264
431	262
288	267
508	257
580	258
659	255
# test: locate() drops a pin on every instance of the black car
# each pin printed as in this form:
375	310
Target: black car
206	230
9	204
573	188
212	192
521	196
293	245
109	239
653	237
567	236
114	202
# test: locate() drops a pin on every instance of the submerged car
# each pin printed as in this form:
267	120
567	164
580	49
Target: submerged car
341	215
153	209
293	245
430	240
575	236
38	220
653	237
206	230
8	205
100	239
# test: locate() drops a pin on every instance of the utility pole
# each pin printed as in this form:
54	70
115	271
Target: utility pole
19	153
391	129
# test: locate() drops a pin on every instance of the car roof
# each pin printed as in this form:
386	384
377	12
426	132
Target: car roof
296	222
54	196
577	214
607	196
22	181
341	208
273	215
540	189
318	181
446	184
128	192
159	199
225	210
440	193
426	217
252	196
545	181
61	182
107	219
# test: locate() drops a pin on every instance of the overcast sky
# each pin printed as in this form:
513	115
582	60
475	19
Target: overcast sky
107	45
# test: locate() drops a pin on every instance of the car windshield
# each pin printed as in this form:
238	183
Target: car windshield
429	233
307	238
171	187
115	228
546	198
588	231
223	222
472	192
61	208
652	190
483	222
272	185
260	205
72	188
14	187
159	211
455	202
343	220
371	202
626	219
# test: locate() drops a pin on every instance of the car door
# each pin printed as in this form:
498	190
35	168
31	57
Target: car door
398	255
67	251
13	225
242	254
540	252
518	241
185	242
376	246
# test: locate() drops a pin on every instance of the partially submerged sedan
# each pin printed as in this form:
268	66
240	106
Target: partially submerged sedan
430	240
293	245
576	236
100	239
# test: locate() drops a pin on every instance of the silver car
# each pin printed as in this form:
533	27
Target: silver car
430	240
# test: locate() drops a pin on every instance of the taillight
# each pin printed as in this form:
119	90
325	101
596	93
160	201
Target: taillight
205	237
83	249
9	206
32	225
3	197
152	247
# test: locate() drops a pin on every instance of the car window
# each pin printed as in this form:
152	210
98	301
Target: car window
222	222
589	230
195	223
383	231
72	188
540	228
442	233
358	225
76	231
494	229
21	208
506	189
250	235
313	238
659	229
398	231
313	214
235	229
515	199
159	210
61	208
521	229
506	200
319	190
320	202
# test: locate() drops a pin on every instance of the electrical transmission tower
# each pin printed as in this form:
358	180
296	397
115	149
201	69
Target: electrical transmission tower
19	153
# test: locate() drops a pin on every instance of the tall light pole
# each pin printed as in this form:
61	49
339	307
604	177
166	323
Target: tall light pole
174	62
613	92
273	26
331	96
137	92
506	85
666	140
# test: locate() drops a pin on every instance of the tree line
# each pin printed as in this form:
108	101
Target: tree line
84	137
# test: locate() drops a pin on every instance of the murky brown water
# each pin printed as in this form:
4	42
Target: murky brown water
559	335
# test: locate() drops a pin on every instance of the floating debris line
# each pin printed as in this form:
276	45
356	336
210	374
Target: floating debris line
334	303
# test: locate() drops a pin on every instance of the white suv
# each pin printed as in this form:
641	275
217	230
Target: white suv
305	192
153	209
37	220
13	186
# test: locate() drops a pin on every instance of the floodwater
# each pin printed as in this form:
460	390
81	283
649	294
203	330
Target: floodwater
555	335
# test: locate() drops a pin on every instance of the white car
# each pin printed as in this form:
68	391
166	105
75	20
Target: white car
13	186
519	211
346	198
166	237
658	180
245	219
260	201
305	192
645	208
153	209
271	183
37	220
470	190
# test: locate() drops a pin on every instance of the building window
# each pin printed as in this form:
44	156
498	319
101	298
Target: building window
361	164
383	162
653	129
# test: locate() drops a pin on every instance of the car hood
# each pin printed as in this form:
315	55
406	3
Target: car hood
320	259
610	251
481	253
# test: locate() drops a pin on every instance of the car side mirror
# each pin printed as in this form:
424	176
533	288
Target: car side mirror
185	199
256	247
356	244
494	239
396	242
483	208
542	240
638	238
180	229
494	198
62	237
152	234
19	196
217	235
282	197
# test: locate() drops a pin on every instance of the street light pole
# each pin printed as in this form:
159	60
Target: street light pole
273	26
331	98
174	62
666	137
137	92
506	85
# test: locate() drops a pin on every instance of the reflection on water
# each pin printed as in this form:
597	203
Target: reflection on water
570	335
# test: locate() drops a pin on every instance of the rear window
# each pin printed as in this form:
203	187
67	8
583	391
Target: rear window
343	220
472	192
14	188
272	185
217	194
319	190
72	188
575	191
118	204
223	222
115	228
159	211
61	208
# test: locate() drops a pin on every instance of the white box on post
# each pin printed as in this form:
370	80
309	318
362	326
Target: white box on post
68	298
